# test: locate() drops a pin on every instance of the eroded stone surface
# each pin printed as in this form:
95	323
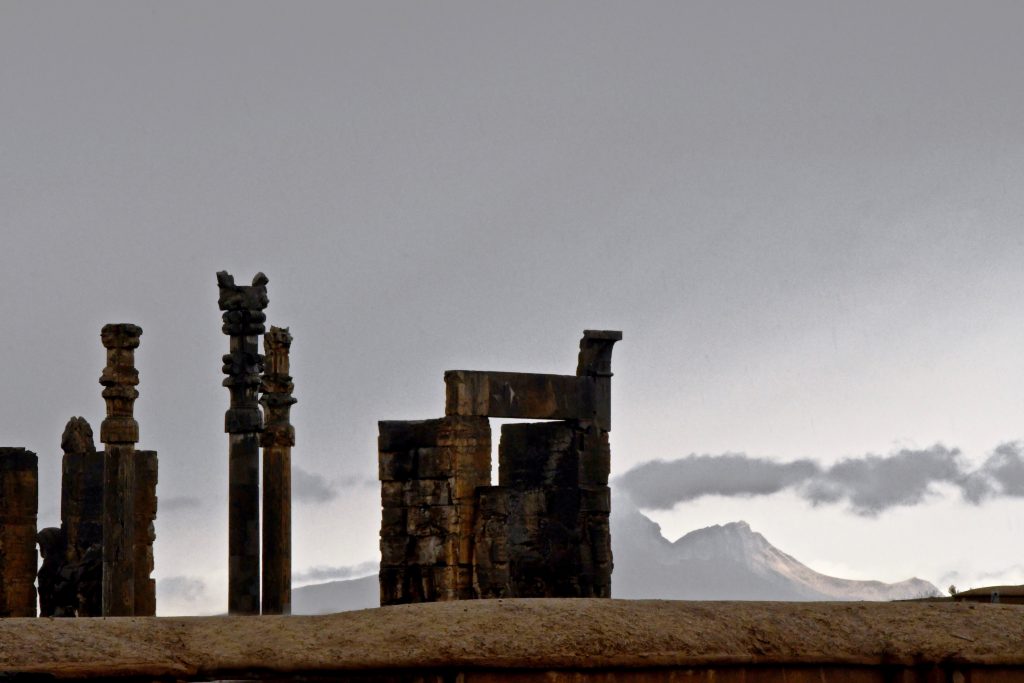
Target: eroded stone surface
243	318
19	504
543	531
277	440
545	639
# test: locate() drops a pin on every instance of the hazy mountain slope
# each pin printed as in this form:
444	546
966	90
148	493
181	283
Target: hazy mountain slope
336	596
728	562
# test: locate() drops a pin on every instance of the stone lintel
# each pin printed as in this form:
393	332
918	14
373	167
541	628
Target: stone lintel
523	395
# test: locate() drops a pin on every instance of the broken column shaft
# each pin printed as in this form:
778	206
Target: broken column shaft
19	503
119	432
243	323
277	440
81	510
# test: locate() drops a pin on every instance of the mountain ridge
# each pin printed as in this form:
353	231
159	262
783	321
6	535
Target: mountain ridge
720	562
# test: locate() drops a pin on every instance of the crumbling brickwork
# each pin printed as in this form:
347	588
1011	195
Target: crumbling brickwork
19	504
430	471
543	530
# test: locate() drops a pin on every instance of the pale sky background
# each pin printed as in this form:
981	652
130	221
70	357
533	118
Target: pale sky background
806	217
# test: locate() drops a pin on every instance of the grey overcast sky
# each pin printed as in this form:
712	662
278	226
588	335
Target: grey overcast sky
806	217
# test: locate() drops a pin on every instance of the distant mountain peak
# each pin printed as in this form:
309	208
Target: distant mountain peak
728	561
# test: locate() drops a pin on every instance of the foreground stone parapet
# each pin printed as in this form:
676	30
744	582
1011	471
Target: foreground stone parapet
543	640
243	317
19	505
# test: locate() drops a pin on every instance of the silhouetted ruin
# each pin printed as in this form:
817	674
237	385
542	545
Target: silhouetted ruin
19	504
277	440
446	534
129	484
243	323
80	579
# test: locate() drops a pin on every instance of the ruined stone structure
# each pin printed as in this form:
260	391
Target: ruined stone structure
430	471
243	322
543	531
129	484
19	504
277	440
79	577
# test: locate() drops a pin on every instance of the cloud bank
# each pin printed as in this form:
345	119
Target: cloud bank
868	484
325	573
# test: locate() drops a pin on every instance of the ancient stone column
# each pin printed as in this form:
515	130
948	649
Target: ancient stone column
81	511
144	534
19	503
243	323
277	440
119	432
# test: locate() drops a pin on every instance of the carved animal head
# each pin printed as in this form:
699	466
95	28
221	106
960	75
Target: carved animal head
77	437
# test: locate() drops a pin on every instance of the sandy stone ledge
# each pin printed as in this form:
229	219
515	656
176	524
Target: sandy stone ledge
526	635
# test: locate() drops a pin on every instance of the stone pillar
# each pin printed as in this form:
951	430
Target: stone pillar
119	432
144	533
430	471
277	440
81	509
595	361
243	323
19	504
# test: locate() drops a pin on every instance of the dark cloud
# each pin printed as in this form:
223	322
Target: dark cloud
873	483
324	573
869	484
1005	469
661	484
309	487
183	588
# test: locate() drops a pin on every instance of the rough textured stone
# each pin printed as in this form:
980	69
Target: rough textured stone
429	473
549	641
81	515
543	532
519	395
19	504
243	317
277	440
119	432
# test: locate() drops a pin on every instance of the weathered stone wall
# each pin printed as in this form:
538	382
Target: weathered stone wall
145	532
19	504
81	489
81	519
548	532
429	472
543	531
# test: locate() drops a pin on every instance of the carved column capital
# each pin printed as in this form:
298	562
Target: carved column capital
119	379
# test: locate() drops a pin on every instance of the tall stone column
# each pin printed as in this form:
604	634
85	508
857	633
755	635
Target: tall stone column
243	323
144	534
19	504
277	440
119	433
